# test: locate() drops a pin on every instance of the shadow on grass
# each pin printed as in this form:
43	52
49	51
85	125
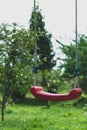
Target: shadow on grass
32	102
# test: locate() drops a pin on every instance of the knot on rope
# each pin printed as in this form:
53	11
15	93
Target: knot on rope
36	68
76	71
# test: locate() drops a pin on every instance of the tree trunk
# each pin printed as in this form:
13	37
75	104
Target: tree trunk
44	79
3	107
45	84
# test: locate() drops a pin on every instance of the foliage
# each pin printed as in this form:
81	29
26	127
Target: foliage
70	58
15	61
53	80
82	61
68	64
82	100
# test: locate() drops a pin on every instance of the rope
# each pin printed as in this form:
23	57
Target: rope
35	42
76	40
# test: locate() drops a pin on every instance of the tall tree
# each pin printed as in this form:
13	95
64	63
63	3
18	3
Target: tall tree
45	47
68	63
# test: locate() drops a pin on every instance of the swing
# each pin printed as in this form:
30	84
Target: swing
38	91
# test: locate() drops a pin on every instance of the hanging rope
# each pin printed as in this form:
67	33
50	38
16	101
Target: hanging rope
35	42
76	40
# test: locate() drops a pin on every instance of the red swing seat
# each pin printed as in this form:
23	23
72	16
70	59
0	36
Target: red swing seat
39	93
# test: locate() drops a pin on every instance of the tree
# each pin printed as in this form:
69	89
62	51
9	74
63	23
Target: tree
15	62
82	61
45	47
69	61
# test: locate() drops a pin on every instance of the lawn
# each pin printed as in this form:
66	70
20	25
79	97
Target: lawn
35	116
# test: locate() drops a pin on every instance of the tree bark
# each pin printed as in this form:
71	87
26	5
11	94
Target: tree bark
44	80
3	107
4	99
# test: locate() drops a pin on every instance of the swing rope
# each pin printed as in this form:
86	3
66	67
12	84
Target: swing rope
76	40
35	43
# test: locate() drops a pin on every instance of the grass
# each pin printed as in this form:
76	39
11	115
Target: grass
35	116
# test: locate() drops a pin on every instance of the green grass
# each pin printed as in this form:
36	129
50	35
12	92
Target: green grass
34	116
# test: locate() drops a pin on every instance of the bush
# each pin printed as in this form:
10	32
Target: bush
82	100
